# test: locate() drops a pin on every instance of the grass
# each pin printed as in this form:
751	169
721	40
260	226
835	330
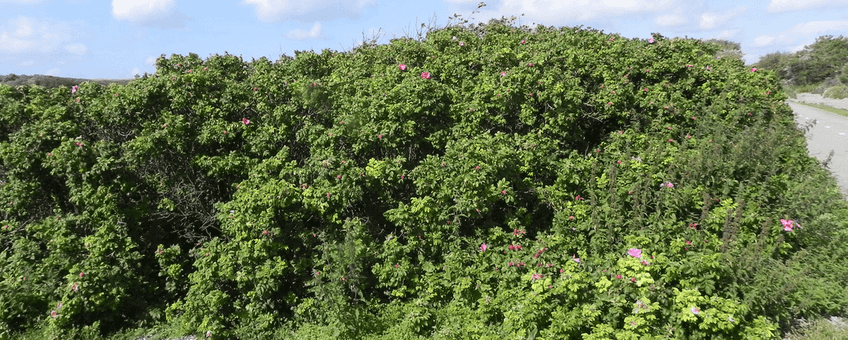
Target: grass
840	112
819	329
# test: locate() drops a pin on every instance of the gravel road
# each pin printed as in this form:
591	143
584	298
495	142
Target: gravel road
829	134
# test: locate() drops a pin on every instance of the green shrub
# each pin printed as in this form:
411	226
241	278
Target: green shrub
485	182
837	92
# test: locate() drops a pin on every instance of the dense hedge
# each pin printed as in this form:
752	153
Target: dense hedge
486	182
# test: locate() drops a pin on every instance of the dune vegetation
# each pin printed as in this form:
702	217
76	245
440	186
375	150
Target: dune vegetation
480	182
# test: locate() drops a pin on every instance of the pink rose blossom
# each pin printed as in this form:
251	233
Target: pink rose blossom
635	252
695	310
650	40
483	247
425	75
402	67
245	121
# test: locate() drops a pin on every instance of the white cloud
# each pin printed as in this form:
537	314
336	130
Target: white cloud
718	19
300	34
20	2
53	72
669	20
151	61
778	6
280	10
817	27
135	71
797	48
77	49
28	63
558	11
28	35
731	34
141	10
153	13
765	40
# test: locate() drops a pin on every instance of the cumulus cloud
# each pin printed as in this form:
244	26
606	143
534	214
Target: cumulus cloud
557	11
765	40
141	10
817	27
76	49
779	6
668	20
719	19
28	35
153	13
280	10
731	34
300	34
21	2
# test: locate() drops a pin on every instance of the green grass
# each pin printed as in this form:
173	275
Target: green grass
840	112
819	329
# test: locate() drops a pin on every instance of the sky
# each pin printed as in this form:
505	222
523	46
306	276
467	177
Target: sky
118	39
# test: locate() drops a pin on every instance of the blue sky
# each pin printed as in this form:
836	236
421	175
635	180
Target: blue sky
120	38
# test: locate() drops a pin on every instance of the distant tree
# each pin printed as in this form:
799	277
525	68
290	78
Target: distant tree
819	61
729	49
778	62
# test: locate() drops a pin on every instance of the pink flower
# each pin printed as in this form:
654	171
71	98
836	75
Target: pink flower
632	279
81	274
695	310
54	314
669	185
688	242
503	192
522	41
618	276
380	136
245	121
635	252
425	75
753	69
536	276
576	259
74	89
530	64
402	67
510	247
503	73
787	224
650	40
483	247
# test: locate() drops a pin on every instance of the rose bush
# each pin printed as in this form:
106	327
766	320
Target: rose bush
516	184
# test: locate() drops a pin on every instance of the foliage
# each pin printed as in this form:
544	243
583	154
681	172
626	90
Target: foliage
50	82
821	60
484	182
